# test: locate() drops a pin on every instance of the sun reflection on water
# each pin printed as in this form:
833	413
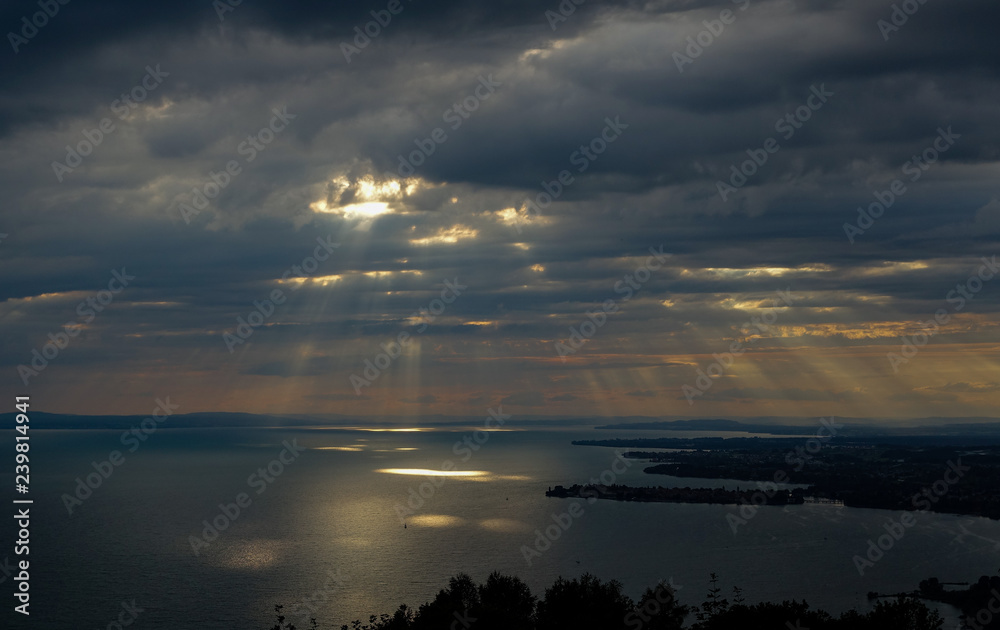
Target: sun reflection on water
435	520
427	472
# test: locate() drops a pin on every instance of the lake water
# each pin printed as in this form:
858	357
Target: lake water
333	510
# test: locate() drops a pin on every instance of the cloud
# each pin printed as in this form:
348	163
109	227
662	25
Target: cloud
642	393
333	173
524	399
963	387
424	399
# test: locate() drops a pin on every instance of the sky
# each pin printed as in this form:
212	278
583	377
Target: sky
664	208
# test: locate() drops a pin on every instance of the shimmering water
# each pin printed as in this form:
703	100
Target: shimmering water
333	510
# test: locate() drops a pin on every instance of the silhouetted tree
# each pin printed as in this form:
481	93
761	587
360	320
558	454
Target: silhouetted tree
738	599
766	617
931	587
903	614
714	605
451	605
281	625
505	603
657	610
584	604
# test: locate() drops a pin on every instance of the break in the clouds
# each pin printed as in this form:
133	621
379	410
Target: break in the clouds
533	153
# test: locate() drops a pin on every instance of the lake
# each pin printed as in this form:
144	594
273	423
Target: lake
332	510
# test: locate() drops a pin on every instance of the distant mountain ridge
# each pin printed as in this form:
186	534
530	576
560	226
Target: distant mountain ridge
851	427
857	427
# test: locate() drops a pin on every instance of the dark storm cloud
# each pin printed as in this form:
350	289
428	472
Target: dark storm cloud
655	184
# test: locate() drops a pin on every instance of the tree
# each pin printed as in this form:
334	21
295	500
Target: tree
714	605
505	603
451	605
903	614
931	587
658	610
767	616
584	604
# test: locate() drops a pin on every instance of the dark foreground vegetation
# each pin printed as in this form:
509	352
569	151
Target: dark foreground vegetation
506	603
980	603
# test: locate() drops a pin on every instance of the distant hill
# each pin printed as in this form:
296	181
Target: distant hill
853	427
43	420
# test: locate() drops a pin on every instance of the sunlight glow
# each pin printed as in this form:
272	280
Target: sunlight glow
427	472
365	210
435	520
364	198
450	235
504	525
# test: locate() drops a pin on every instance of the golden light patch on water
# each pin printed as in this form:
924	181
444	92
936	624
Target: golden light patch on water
249	555
427	472
352	449
434	520
504	525
381	429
